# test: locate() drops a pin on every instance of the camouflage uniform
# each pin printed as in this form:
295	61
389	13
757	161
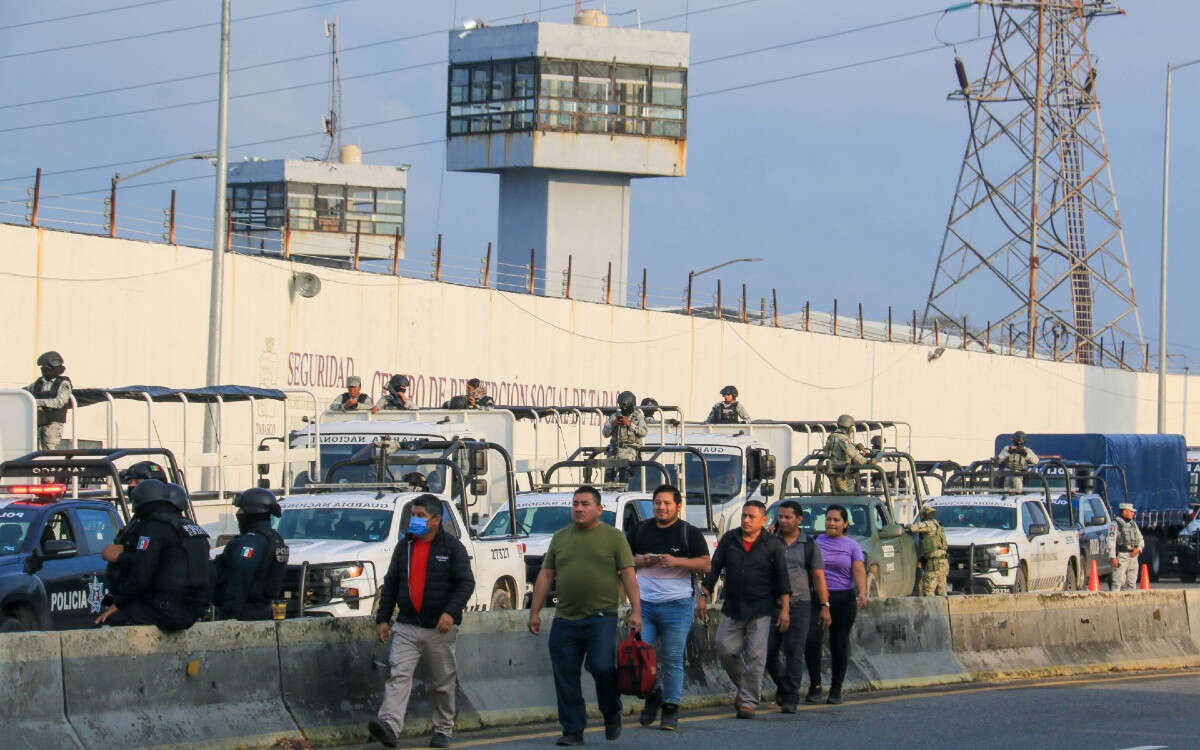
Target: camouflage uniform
932	550
390	400
844	455
625	441
731	413
1018	459
1129	538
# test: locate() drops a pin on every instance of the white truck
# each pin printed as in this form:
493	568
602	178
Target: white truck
343	530
1001	540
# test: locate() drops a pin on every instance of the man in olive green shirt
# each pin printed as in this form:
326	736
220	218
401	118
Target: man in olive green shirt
586	560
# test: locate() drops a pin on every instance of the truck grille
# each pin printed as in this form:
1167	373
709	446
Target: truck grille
318	589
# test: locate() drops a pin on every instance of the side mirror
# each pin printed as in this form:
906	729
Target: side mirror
1038	529
478	459
264	482
760	464
768	489
891	531
1098	521
479	486
56	549
263	468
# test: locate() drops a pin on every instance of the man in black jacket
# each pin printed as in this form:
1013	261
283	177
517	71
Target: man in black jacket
428	583
756	576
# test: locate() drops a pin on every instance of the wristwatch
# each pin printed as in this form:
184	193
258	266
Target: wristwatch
824	604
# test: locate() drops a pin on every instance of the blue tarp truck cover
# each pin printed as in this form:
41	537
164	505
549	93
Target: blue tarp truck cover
1155	465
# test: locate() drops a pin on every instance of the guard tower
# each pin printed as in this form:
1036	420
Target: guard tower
328	207
567	115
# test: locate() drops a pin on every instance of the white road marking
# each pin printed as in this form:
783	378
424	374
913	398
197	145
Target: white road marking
1145	747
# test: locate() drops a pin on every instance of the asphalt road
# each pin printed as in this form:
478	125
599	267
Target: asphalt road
1109	712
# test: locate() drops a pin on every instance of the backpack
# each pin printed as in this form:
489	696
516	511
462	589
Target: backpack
637	666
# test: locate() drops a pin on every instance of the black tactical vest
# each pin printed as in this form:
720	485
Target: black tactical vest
183	566
268	579
727	412
40	389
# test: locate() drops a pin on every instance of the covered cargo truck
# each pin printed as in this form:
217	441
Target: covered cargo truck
1155	480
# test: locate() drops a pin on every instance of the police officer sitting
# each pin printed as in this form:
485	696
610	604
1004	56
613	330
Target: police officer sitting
250	569
353	399
52	392
158	570
395	394
728	410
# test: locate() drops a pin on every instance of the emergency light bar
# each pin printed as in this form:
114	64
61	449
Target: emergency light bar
38	490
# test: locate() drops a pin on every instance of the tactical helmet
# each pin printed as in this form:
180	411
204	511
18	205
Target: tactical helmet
626	402
1019	437
417	479
353	380
50	359
257	501
845	422
647	401
143	470
729	390
928	511
150	491
179	496
458	402
877	443
397	382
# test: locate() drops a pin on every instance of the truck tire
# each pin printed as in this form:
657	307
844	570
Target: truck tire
11	625
1151	556
500	598
1187	577
873	590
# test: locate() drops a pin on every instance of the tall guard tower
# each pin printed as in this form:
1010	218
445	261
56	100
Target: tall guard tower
1034	239
567	115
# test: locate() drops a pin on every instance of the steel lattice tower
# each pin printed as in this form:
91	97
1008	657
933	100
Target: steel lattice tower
1034	219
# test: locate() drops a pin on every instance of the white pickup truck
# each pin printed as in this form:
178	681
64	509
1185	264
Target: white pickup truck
342	531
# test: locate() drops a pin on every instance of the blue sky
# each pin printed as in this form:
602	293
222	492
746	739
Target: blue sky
840	181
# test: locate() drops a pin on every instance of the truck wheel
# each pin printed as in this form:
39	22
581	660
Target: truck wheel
873	586
12	625
1021	585
500	598
1151	557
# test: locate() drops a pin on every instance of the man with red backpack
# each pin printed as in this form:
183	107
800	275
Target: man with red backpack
667	552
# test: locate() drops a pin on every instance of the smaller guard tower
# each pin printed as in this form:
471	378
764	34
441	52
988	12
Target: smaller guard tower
325	203
567	115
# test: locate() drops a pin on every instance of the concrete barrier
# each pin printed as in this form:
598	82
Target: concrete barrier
215	685
31	693
902	642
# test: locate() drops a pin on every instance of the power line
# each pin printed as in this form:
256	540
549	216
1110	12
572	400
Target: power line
83	14
161	32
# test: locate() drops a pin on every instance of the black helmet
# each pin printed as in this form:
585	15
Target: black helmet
1019	437
647	401
729	390
417	479
626	402
179	496
257	501
50	359
397	382
143	470
458	402
150	491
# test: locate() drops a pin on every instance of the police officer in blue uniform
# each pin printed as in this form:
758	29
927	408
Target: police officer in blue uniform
250	569
158	571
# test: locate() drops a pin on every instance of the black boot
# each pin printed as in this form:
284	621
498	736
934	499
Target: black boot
650	710
670	717
814	693
835	695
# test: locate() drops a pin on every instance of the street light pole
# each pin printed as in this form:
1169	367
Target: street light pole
118	178
1162	286
693	274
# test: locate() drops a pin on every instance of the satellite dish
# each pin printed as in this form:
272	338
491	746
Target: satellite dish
306	284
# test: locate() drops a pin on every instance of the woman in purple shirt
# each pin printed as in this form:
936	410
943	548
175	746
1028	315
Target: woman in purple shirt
847	580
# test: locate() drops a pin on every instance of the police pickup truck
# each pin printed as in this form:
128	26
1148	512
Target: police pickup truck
58	511
342	532
1002	539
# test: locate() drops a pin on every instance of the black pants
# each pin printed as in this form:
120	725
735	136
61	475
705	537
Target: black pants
843	608
785	654
159	610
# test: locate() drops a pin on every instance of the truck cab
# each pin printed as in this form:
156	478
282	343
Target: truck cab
1079	503
342	531
1001	540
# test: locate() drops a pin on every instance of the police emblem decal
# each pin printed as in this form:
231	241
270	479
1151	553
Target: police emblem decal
143	543
95	595
247	552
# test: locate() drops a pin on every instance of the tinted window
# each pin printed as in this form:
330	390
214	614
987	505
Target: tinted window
977	517
96	531
1060	510
814	517
58	527
14	528
543	519
351	524
1031	514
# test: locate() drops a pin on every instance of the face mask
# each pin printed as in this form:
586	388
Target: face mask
418	526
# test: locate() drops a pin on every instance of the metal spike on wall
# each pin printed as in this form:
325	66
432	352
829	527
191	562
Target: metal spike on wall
1034	237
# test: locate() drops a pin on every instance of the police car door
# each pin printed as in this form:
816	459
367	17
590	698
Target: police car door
1032	515
97	529
66	579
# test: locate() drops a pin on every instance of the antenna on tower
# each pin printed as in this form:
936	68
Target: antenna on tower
331	124
1034	242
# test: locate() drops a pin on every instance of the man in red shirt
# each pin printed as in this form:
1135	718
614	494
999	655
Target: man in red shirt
428	583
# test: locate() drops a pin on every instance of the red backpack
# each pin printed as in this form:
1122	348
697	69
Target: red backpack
637	666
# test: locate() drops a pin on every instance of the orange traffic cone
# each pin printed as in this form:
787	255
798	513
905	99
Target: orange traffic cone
1144	578
1093	577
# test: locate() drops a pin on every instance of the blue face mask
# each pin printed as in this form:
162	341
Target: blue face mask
418	526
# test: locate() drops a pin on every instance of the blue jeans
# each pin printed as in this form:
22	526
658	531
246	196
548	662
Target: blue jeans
590	642
671	622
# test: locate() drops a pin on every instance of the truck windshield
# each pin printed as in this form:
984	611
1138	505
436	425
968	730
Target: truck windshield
541	519
724	477
425	477
977	517
14	527
1061	512
814	517
349	524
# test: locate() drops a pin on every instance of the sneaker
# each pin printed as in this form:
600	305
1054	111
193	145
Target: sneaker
787	707
835	696
568	740
612	727
745	712
814	694
650	710
670	717
439	740
382	733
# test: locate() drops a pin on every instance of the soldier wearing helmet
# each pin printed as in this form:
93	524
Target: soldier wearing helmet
728	410
844	455
395	394
625	429
1016	459
249	571
158	571
52	392
140	472
931	550
353	399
